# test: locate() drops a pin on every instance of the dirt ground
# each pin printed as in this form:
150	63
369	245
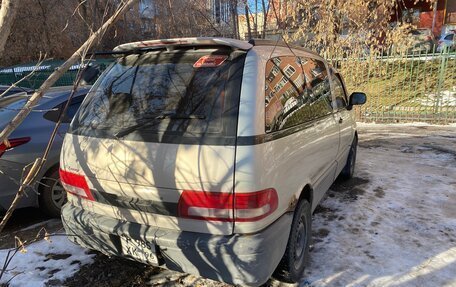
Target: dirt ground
351	213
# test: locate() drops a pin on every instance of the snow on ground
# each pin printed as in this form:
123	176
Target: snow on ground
394	224
45	263
446	98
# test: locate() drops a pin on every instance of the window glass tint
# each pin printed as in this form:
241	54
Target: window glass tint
339	92
54	114
161	92
72	109
298	93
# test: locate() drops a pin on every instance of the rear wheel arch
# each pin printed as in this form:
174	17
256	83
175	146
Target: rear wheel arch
50	170
307	194
293	262
50	199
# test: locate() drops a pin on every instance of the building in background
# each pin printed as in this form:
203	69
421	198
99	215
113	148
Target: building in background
440	16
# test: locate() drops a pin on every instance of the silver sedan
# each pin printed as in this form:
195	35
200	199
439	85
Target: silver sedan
29	141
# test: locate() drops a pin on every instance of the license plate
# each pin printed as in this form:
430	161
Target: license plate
139	249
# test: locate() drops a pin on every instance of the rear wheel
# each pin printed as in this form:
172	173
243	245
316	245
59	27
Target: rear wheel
292	265
52	195
349	168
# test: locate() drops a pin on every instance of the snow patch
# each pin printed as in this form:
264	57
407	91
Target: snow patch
400	227
45	262
445	99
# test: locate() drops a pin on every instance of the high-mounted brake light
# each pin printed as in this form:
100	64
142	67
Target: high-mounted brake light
218	206
13	143
210	61
75	184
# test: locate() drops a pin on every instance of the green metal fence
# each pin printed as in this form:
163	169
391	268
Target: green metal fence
33	76
403	88
400	88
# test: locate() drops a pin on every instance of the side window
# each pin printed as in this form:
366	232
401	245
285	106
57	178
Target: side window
72	109
450	37
299	92
54	114
339	92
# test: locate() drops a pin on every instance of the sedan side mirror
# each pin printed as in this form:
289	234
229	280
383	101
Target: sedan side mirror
90	74
357	98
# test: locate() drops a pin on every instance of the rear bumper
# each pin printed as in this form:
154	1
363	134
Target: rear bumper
235	259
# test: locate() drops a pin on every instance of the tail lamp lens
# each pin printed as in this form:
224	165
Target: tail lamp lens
75	184
13	143
218	206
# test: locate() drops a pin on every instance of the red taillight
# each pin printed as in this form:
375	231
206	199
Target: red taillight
255	205
75	184
13	143
218	206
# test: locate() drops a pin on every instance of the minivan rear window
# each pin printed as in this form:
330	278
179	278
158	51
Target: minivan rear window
145	96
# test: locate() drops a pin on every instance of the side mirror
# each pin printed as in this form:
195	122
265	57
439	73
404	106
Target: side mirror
357	98
90	74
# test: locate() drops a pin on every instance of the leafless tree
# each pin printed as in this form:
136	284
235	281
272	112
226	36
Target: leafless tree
8	11
33	100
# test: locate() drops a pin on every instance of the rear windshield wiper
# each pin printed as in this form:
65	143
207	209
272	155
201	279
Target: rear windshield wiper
150	122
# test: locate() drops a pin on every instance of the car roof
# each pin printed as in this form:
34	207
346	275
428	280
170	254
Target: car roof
53	95
13	90
204	41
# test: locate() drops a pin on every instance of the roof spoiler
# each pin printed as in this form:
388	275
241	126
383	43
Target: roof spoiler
189	42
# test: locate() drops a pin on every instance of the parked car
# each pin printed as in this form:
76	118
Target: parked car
28	142
175	158
447	42
14	90
422	40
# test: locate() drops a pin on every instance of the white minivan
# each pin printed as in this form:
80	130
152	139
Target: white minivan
208	156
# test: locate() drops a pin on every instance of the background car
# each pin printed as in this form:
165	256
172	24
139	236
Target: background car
422	40
29	141
13	90
447	41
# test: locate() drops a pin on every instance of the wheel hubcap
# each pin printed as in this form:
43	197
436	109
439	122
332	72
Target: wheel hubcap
301	242
58	194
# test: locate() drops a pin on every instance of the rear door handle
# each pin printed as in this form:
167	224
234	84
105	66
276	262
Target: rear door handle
341	120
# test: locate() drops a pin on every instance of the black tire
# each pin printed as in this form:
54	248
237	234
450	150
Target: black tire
349	168
52	195
292	265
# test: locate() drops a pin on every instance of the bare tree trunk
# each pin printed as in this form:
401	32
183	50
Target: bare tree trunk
237	19
8	12
173	21
256	18
247	18
265	17
33	100
47	42
234	18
